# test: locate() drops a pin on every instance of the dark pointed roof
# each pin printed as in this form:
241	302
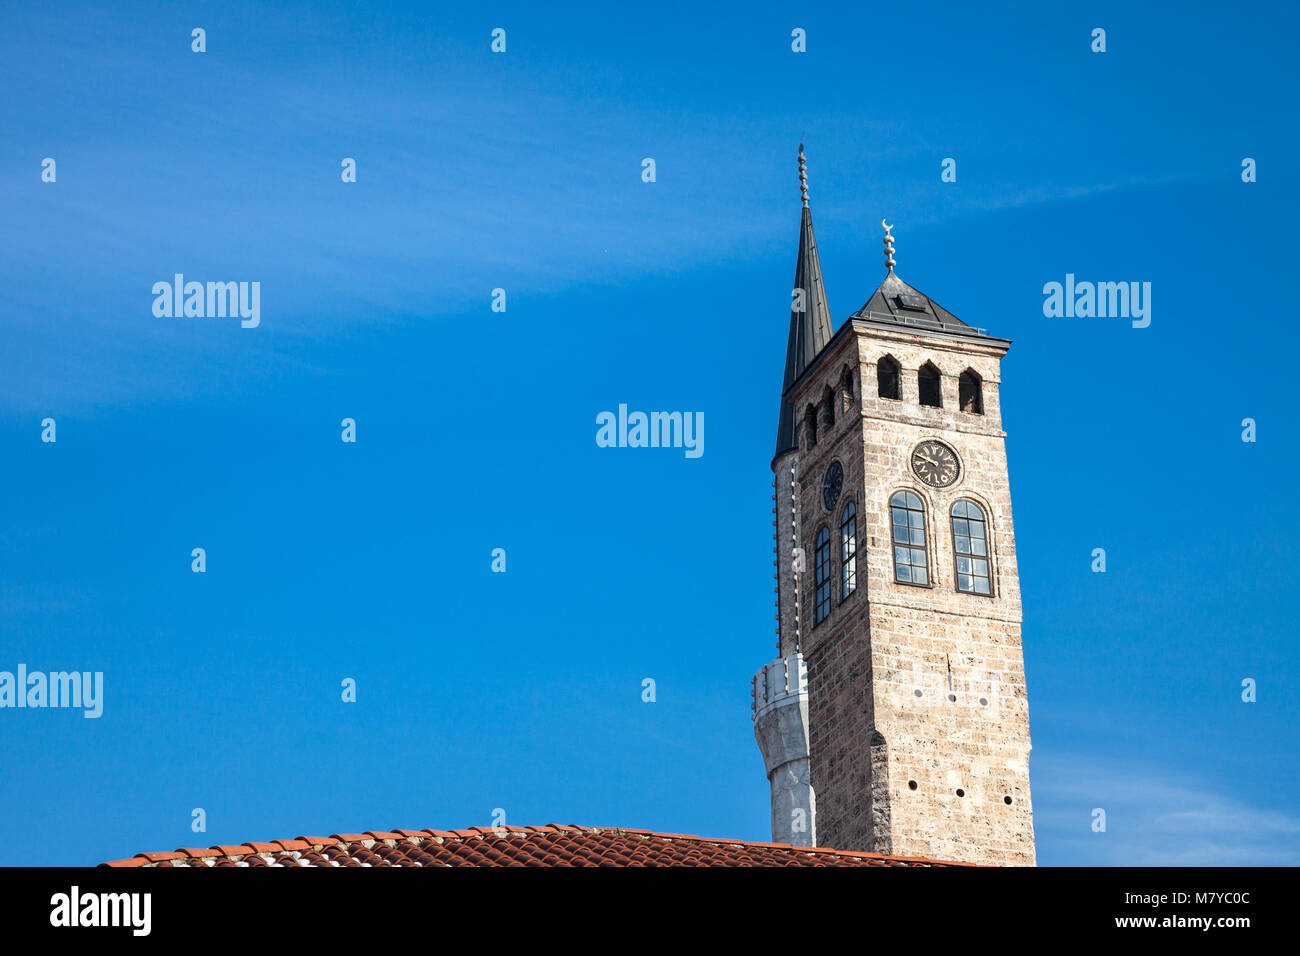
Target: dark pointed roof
810	329
897	303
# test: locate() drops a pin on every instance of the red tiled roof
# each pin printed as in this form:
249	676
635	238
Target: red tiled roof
552	845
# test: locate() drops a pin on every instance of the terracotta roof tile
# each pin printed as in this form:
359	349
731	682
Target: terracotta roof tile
292	844
550	845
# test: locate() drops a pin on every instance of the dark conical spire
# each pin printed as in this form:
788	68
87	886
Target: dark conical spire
810	316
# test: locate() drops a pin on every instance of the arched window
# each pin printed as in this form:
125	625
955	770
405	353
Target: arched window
970	544
911	565
970	392
848	550
889	377
822	576
828	403
928	382
846	390
810	425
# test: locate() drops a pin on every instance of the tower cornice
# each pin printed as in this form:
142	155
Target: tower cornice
987	344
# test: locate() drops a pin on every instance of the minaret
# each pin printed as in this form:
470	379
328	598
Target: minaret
780	690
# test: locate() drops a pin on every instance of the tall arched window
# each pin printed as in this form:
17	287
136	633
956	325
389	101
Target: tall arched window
971	547
911	565
889	377
970	392
828	403
810	425
848	550
929	384
822	576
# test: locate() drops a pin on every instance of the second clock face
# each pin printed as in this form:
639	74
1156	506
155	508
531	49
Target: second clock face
936	464
832	484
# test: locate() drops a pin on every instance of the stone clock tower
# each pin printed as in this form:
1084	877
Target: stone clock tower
895	718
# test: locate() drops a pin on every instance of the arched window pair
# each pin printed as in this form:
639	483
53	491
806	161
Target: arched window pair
834	405
929	383
848	563
969	541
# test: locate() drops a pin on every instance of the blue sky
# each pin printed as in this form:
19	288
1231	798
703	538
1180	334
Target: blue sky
521	171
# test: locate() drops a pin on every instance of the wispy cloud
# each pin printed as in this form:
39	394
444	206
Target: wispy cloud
1152	820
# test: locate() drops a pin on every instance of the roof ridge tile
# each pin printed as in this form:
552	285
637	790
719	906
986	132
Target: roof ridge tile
320	841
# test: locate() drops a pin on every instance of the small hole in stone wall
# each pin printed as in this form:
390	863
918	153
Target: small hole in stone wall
984	701
911	785
918	693
1007	801
961	792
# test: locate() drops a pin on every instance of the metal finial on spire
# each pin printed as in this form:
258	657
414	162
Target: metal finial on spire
803	175
889	246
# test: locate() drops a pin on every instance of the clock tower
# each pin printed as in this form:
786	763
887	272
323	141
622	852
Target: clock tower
895	718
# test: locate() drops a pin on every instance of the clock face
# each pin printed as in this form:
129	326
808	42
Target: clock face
832	484
936	464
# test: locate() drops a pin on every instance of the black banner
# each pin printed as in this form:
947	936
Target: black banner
927	907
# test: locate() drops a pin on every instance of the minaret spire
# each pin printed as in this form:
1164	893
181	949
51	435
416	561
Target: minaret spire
889	246
810	315
780	688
